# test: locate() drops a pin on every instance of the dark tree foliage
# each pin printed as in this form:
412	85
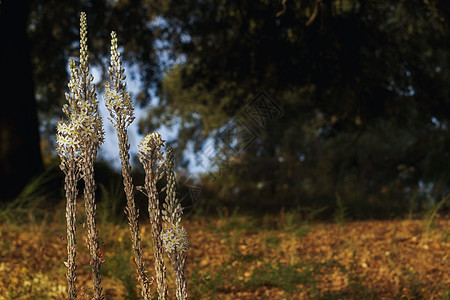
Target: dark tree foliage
47	33
364	86
54	32
20	156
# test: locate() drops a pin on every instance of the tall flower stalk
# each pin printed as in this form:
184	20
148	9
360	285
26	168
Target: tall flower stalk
151	156
77	142
120	107
67	139
78	139
88	124
175	239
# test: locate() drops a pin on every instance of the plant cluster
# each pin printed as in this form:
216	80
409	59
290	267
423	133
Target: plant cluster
78	139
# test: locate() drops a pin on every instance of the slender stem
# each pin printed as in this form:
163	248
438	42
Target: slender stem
155	222
172	216
178	266
71	204
93	241
133	213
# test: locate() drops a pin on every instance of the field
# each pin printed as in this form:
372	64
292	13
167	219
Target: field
234	256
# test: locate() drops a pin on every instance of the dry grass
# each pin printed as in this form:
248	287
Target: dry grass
242	257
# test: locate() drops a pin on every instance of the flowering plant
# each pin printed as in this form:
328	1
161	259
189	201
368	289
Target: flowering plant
78	139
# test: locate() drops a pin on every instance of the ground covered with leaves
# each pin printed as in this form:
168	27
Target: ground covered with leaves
241	257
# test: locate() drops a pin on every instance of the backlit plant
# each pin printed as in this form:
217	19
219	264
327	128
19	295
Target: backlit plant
121	110
151	156
78	139
174	236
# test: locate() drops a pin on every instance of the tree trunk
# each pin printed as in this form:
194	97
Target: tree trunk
20	154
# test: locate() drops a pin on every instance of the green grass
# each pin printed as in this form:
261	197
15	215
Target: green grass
34	199
431	214
285	277
111	202
272	240
235	220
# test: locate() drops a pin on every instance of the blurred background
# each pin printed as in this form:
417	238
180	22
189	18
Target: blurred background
316	104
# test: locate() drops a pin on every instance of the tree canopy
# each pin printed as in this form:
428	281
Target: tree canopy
361	90
364	86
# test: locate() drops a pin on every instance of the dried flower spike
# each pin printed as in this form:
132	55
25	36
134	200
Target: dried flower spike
118	100
119	105
151	157
175	237
89	136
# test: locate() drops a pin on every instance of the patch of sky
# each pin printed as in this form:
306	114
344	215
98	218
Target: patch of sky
109	151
